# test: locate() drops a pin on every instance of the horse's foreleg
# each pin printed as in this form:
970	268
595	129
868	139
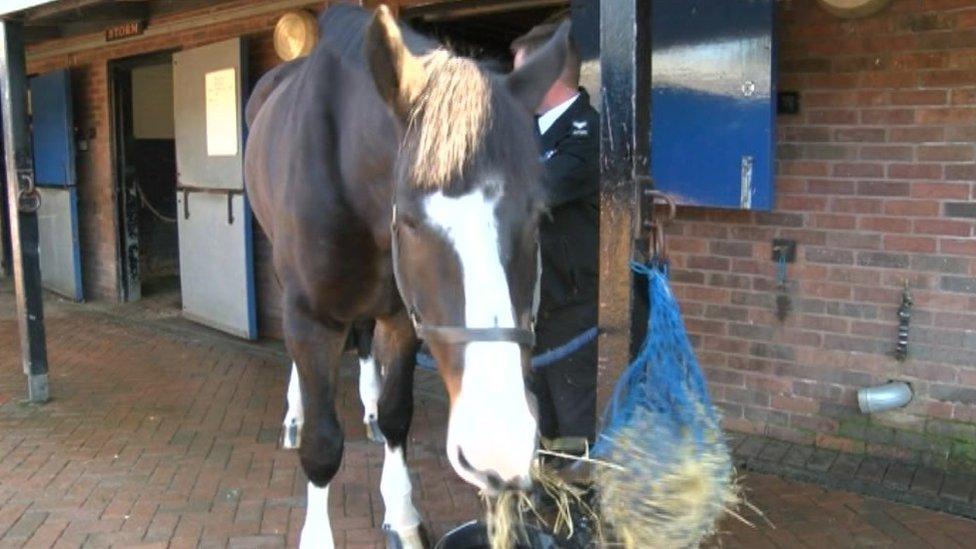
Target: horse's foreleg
395	347
316	348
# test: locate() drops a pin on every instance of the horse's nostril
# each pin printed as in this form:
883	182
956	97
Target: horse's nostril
494	481
464	461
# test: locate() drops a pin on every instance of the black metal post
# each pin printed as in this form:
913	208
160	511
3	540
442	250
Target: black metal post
625	74
6	268
22	199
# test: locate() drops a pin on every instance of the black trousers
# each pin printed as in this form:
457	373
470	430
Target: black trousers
565	390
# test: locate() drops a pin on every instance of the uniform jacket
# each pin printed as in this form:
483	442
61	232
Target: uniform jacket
569	235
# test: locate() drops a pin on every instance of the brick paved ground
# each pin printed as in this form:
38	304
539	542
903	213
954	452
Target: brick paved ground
163	435
951	491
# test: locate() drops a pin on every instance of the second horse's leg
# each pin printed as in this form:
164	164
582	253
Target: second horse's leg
395	347
369	378
291	433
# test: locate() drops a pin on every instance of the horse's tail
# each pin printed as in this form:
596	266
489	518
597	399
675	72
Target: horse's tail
267	84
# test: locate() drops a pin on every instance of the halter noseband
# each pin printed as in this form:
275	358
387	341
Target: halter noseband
454	335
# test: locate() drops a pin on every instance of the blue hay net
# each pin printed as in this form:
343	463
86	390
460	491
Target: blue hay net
665	379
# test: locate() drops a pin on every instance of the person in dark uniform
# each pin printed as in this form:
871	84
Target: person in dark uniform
569	239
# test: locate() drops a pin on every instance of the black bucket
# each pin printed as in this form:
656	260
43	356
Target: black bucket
474	535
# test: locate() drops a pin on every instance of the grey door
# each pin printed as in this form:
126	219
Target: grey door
214	217
52	140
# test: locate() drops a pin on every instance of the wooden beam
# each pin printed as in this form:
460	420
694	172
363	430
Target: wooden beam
101	13
23	222
55	9
39	33
13	6
198	19
624	156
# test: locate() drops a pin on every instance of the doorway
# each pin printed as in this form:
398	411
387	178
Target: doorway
483	29
146	179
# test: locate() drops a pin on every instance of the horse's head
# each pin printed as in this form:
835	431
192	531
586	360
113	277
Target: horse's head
465	224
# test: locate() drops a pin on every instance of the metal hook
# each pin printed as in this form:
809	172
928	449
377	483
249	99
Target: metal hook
28	197
668	201
656	243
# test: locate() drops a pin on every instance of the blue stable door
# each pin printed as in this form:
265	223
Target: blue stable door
52	138
713	102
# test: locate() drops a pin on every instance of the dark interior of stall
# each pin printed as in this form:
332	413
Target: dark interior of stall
483	29
146	164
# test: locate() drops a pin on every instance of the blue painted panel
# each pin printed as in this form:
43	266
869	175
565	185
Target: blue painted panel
52	129
713	102
58	246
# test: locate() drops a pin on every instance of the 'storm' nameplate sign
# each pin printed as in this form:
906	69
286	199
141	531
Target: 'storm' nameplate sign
124	30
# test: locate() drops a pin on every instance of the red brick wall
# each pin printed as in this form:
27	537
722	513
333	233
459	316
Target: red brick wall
97	226
875	182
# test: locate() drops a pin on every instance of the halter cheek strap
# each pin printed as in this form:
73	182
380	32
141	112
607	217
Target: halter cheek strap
455	335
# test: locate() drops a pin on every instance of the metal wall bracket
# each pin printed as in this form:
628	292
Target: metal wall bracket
230	193
784	250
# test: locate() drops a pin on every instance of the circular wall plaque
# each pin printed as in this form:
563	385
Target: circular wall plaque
853	8
295	34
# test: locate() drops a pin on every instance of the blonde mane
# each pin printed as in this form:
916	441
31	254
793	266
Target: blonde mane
450	118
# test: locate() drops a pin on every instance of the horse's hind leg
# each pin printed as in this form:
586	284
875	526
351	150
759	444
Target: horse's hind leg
369	378
291	433
316	348
395	346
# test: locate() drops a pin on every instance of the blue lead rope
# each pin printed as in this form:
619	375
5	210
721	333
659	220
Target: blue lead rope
426	361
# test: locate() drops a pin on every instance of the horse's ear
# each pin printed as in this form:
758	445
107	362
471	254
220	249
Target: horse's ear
399	76
530	82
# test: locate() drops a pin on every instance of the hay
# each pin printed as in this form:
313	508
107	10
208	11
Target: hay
508	512
670	489
653	490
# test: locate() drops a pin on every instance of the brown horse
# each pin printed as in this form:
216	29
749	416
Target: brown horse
381	124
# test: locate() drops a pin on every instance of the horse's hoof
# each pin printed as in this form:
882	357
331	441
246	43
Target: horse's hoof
410	538
291	436
373	432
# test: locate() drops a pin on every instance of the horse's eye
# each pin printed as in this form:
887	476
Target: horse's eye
409	221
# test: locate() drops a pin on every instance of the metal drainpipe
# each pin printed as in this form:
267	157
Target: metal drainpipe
880	398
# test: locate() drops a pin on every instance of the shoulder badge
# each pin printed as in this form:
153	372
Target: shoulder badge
581	128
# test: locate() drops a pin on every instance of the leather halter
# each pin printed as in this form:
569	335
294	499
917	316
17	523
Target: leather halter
454	335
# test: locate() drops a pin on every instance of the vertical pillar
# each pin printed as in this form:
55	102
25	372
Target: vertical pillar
5	267
22	220
625	76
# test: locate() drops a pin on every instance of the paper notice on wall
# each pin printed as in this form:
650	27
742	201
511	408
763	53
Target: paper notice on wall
222	112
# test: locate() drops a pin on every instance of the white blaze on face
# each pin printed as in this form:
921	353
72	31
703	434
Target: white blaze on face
490	420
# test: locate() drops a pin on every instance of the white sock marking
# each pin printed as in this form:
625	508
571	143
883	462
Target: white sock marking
490	421
317	532
369	388
400	516
295	416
